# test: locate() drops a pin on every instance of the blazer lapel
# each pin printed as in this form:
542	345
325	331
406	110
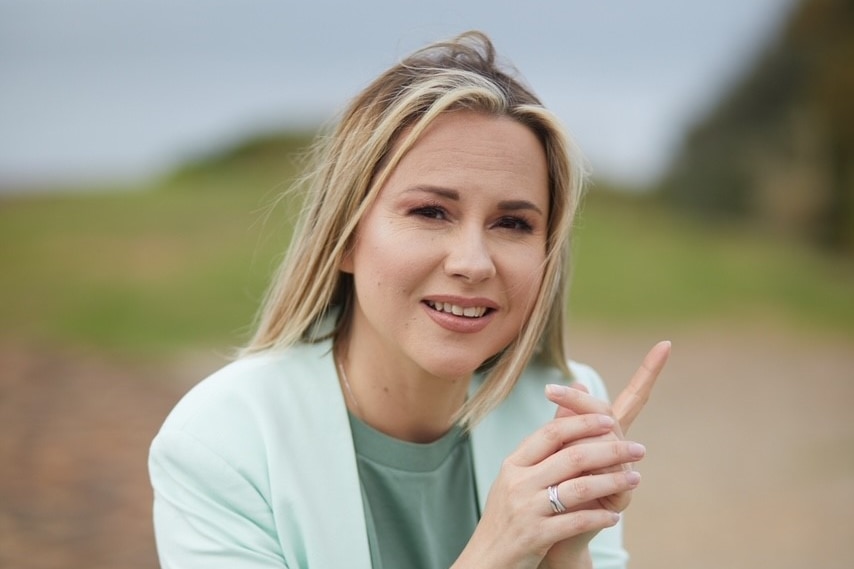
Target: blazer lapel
329	505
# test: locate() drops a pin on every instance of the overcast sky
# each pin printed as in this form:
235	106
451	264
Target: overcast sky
100	89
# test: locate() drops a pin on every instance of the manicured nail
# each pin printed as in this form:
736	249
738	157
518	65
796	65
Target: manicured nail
615	517
555	389
637	450
633	478
606	420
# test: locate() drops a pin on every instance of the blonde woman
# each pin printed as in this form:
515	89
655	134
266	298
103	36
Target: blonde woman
405	401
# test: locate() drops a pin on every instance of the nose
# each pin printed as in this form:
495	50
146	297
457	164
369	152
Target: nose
468	257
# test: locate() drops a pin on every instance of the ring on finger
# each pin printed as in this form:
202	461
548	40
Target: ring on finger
554	500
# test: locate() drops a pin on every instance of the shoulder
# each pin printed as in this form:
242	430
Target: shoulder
251	383
235	435
237	410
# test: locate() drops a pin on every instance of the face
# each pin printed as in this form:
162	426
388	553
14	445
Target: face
448	261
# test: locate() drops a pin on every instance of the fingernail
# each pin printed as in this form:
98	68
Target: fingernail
555	389
615	517
606	420
637	450
633	478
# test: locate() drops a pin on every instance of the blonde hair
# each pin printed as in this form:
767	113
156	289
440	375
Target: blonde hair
352	164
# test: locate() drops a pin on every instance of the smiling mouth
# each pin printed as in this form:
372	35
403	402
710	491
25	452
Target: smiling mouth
457	310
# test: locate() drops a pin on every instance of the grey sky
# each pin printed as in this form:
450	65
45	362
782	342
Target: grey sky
100	88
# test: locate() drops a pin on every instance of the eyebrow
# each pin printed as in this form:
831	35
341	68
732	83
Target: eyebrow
504	205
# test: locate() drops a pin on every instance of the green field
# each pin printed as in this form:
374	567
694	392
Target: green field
182	263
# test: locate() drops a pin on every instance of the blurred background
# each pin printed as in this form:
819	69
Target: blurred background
143	146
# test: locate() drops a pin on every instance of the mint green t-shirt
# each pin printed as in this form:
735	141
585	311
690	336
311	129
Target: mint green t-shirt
420	499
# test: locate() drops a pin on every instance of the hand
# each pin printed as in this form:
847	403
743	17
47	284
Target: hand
625	410
628	404
632	399
518	526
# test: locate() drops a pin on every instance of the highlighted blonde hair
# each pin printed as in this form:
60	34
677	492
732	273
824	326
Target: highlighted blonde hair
350	166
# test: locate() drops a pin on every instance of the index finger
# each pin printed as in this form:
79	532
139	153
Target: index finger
556	434
632	399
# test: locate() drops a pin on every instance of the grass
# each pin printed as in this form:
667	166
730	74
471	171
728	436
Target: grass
156	270
183	264
637	262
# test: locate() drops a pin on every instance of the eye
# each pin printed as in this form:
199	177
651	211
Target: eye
514	223
430	212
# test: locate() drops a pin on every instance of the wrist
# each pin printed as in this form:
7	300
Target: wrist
569	558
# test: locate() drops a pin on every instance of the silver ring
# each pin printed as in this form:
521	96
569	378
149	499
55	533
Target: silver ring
554	500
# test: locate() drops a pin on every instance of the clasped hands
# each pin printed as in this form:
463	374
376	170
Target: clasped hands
595	473
582	453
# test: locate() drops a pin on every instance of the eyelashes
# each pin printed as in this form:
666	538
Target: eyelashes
439	213
430	212
515	223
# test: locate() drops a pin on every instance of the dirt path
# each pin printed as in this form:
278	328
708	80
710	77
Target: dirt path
74	434
750	438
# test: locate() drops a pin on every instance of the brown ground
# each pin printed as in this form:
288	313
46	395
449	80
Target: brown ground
750	464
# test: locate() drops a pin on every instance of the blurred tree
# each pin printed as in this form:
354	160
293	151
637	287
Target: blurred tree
779	148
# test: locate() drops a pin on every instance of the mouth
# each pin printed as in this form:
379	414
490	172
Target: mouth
457	310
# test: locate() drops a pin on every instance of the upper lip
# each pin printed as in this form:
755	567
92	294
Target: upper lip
464	301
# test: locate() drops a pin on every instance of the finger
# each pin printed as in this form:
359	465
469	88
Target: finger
582	491
616	502
557	433
573	461
565	412
559	527
576	401
632	399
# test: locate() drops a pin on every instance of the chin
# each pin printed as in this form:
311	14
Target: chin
455	369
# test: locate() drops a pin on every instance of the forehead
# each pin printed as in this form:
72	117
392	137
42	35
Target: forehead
474	149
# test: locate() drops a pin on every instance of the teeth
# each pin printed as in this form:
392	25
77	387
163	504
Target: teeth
468	312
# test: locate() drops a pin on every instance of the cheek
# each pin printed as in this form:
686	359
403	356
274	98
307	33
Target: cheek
525	275
389	258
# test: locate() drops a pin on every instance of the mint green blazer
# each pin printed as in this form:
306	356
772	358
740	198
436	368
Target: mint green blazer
255	468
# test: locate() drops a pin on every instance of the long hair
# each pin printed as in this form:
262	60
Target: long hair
353	162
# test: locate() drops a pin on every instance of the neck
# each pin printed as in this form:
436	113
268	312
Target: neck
409	405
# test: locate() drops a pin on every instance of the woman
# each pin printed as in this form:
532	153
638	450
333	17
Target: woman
405	400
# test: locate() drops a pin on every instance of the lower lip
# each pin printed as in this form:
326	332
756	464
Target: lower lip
459	324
